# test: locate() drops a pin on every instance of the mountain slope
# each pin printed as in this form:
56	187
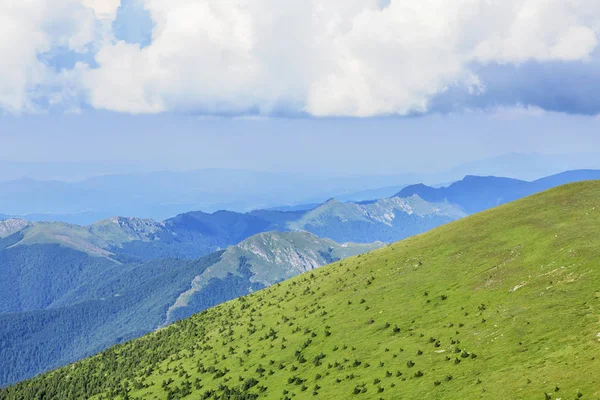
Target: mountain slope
72	304
64	314
502	304
261	261
566	177
41	275
385	220
478	193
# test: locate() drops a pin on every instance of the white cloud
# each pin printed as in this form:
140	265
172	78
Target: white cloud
323	57
30	28
104	9
540	30
518	111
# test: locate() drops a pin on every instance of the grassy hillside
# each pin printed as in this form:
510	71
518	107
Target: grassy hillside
503	304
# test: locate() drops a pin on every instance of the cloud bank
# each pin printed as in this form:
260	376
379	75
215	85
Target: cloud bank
316	58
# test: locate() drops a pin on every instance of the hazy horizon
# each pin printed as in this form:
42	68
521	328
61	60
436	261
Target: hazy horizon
80	171
113	143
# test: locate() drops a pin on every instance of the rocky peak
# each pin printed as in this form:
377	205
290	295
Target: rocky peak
12	225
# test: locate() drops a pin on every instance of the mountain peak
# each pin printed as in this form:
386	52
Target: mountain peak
129	224
12	225
419	189
473	177
133	221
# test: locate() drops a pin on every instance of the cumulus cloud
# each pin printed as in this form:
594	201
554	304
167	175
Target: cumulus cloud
29	29
558	86
321	58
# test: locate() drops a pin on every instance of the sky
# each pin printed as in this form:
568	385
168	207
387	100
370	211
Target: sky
336	86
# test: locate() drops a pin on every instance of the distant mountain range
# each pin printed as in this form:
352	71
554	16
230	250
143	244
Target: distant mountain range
478	193
83	193
414	209
195	234
161	195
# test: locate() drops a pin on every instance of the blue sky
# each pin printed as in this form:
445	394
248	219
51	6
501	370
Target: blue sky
338	86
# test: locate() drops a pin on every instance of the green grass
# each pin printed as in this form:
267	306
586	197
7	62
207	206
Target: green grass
502	304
